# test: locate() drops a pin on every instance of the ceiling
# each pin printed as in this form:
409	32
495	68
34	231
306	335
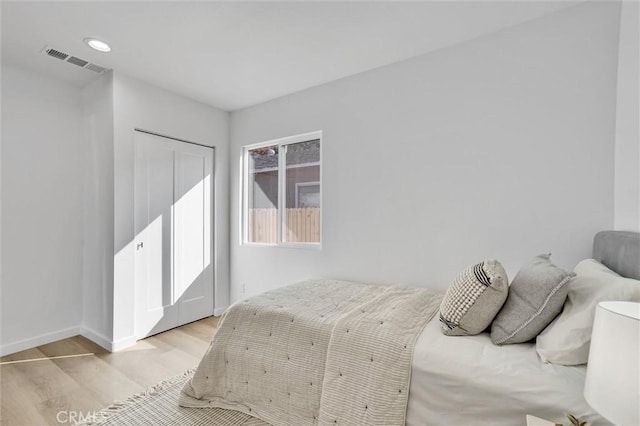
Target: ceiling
235	54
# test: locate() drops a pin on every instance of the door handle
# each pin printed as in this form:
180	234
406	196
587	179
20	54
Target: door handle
139	246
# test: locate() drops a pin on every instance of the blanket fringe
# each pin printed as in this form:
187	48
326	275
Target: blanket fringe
104	414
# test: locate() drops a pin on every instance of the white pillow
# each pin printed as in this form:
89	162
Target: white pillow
566	340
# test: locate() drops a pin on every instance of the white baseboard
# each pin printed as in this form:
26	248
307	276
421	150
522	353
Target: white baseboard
90	334
107	343
219	311
42	339
123	343
96	338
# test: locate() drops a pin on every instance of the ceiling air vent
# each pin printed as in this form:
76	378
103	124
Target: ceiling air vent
55	53
95	68
77	61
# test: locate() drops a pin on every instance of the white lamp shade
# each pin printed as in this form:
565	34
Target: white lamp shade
612	385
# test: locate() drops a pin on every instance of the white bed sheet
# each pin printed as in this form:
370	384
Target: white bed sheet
470	381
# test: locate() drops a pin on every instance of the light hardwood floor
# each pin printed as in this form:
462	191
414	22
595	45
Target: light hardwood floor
77	376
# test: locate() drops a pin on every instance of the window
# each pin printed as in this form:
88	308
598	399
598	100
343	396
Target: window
282	191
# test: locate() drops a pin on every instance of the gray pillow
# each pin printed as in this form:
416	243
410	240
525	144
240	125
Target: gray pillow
473	299
536	297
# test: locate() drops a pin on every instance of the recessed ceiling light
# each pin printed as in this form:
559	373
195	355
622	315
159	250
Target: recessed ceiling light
98	45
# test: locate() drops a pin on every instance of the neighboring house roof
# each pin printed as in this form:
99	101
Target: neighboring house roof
308	153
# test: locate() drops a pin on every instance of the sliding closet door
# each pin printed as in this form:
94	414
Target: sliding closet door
174	233
193	248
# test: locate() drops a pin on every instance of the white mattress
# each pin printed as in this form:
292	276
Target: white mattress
470	381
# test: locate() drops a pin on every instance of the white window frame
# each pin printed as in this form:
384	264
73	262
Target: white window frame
244	196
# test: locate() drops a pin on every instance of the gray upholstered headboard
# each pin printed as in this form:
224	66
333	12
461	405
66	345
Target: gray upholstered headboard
618	251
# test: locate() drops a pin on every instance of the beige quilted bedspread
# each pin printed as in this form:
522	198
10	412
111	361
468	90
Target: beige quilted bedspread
318	352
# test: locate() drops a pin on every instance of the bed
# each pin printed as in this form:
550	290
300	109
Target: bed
470	380
461	381
341	353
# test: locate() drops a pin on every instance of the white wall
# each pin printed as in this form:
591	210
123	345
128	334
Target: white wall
627	151
501	147
97	297
42	209
67	202
140	105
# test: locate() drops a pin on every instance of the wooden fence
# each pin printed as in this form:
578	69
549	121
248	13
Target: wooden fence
303	225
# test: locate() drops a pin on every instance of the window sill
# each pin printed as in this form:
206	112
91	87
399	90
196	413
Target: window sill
303	246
